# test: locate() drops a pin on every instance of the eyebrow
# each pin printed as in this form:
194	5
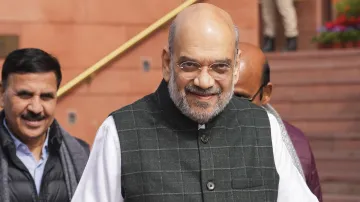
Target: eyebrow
26	92
185	58
48	94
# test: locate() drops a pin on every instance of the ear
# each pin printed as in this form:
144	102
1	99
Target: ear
237	66
267	91
166	59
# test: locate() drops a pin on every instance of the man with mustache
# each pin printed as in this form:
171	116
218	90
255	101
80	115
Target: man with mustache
254	84
39	160
191	141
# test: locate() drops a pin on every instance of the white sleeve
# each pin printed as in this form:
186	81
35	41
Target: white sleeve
101	180
292	186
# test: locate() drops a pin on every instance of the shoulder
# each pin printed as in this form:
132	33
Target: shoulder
296	135
137	105
293	129
246	108
84	144
243	103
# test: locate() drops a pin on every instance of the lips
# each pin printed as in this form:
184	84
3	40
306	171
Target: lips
202	96
33	123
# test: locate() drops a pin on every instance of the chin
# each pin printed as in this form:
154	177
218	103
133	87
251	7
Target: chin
33	133
209	109
204	105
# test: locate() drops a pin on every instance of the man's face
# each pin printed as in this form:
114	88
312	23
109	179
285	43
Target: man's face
29	102
249	85
202	74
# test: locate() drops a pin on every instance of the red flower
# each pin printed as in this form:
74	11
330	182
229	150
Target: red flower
329	25
341	20
352	20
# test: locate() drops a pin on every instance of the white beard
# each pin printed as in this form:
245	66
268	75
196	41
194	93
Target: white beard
179	98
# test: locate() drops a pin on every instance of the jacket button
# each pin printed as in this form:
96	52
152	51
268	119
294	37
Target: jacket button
210	186
204	139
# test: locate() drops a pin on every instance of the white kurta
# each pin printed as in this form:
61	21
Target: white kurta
101	180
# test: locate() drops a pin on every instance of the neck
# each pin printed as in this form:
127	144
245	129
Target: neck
35	145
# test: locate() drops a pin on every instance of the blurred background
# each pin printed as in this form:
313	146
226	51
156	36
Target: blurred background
316	88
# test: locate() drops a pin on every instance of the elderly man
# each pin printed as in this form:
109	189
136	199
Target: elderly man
191	141
254	84
39	160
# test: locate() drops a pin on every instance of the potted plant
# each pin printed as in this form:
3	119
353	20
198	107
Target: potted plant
357	39
348	7
336	40
344	30
325	40
348	37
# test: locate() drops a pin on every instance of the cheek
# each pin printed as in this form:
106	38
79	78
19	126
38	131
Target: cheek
49	108
226	85
181	82
14	107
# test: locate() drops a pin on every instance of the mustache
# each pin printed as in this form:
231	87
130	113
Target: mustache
204	92
33	117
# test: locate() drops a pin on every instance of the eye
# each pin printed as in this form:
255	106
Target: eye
47	96
24	95
189	66
220	67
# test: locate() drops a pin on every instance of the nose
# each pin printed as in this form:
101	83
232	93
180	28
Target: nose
204	80
35	105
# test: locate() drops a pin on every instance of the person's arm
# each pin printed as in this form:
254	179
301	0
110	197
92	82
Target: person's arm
313	180
292	186
101	180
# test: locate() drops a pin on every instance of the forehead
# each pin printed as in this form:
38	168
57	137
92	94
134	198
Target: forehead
34	82
205	42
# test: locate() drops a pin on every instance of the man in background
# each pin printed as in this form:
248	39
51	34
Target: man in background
254	84
288	13
39	160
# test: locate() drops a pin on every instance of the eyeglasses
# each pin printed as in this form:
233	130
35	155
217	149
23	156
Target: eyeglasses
259	91
192	69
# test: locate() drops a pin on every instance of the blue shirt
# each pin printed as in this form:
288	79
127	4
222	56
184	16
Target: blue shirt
35	168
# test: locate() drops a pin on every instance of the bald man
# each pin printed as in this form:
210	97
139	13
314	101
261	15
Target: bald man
254	84
190	140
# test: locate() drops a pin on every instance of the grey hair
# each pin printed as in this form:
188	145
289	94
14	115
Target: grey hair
171	38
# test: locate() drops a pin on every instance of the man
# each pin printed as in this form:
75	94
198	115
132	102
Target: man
254	84
287	11
190	141
39	160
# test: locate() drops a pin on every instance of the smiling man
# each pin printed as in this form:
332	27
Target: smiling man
39	160
191	141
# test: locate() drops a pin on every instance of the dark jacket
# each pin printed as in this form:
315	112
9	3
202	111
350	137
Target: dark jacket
20	186
307	160
165	156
